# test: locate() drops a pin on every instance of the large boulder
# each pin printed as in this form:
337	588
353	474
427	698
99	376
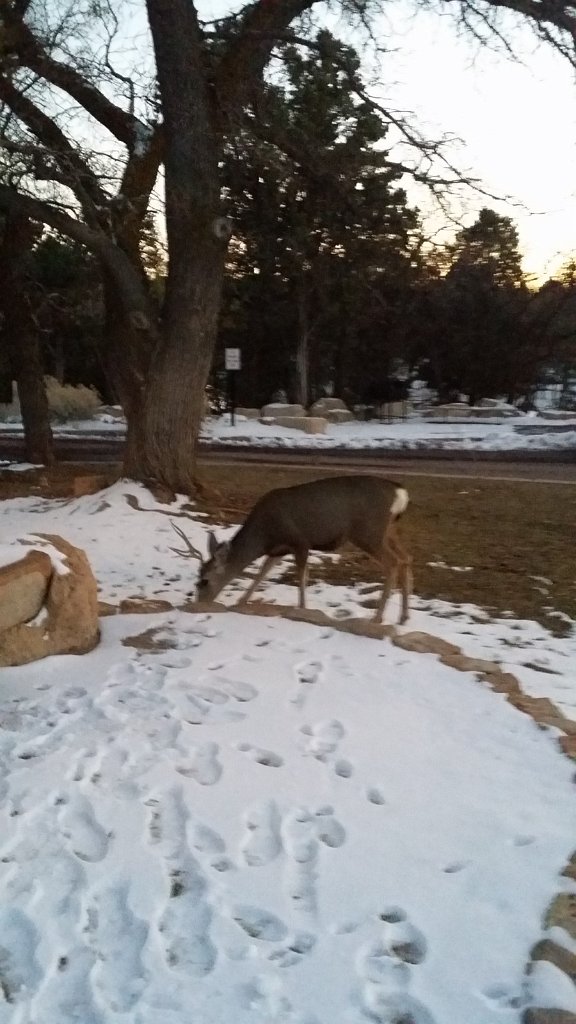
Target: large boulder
48	602
323	405
247	413
332	409
23	587
274	409
309	424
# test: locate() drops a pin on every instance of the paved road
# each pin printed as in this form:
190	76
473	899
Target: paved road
555	466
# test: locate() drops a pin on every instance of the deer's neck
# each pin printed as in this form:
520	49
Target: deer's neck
245	547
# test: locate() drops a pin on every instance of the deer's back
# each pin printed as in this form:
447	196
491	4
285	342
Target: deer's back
324	514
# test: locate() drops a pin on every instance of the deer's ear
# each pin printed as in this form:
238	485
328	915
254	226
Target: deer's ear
212	544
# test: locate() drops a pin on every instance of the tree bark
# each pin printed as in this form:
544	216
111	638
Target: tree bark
197	240
302	353
21	339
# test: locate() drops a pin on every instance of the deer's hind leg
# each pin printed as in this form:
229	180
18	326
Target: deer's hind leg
301	559
404	567
395	560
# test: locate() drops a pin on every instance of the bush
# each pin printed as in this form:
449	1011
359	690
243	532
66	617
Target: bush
65	401
71	401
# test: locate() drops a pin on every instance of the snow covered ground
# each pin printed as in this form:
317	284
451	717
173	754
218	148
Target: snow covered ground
518	433
411	434
260	821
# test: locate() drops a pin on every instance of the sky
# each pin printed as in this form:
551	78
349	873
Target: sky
516	120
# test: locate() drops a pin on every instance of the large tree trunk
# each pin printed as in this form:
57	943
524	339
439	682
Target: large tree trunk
175	387
127	343
302	344
21	338
197	241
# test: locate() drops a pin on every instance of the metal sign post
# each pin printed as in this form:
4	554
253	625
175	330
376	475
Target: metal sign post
232	363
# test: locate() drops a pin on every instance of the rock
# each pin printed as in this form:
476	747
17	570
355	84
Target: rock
338	416
568	745
562	958
89	484
327	405
463	663
23	587
68	618
562	913
502	682
309	424
536	1016
282	409
248	414
425	643
113	412
144	605
570	869
394	410
541	710
452	410
105	609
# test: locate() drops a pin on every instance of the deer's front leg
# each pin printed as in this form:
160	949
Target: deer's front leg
264	570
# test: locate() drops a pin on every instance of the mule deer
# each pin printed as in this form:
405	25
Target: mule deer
320	516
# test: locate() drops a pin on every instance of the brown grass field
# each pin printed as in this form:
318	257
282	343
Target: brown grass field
516	536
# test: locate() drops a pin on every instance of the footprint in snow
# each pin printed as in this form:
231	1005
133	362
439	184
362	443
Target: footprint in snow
203	765
328	829
184	925
401	938
523	840
308	672
78	825
19	970
455	867
343	768
322	739
259	924
386	1007
118	939
384	968
293	950
261	843
67	989
265	757
239	691
504	996
300	840
375	796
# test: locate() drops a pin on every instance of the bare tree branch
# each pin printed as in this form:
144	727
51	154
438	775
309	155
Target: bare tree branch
73	170
116	262
21	41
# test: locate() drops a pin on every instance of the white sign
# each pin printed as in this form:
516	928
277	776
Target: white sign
232	359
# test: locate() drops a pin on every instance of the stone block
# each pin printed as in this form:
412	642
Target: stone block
282	409
338	415
548	1016
309	424
89	484
23	587
562	958
248	414
425	643
326	405
69	624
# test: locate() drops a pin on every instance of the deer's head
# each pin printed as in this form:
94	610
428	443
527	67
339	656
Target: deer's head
214	573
